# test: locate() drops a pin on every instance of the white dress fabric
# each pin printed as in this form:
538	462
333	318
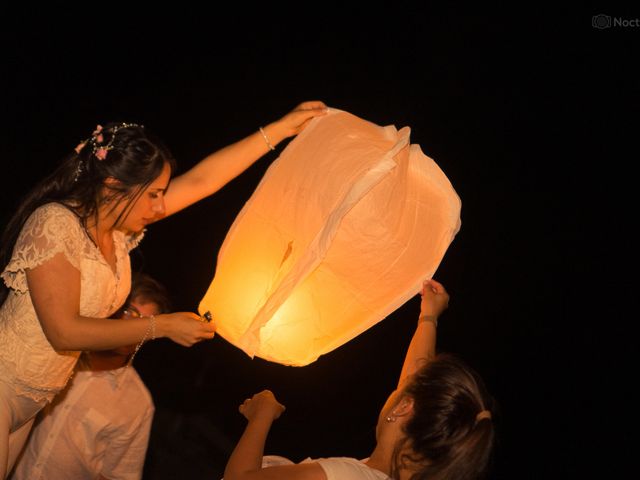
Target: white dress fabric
335	468
99	425
343	229
346	468
28	362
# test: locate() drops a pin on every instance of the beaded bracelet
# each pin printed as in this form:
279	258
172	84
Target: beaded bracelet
152	321
266	139
150	333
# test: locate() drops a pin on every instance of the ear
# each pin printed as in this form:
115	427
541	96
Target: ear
404	407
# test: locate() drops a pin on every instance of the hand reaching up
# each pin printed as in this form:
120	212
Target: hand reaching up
435	299
261	405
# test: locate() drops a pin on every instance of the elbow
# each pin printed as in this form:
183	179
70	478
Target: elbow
58	339
58	343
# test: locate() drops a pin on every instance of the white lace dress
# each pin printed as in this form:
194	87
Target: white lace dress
27	359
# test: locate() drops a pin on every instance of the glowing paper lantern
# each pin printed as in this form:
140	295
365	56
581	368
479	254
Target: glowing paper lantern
341	231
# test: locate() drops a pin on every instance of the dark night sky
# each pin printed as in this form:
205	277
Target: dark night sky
529	117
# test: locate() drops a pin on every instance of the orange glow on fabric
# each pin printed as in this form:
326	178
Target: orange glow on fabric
341	231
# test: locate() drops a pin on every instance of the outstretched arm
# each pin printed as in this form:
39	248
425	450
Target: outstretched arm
219	168
245	462
435	300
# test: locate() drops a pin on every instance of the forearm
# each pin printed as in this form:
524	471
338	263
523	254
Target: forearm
422	347
247	455
219	168
87	333
54	288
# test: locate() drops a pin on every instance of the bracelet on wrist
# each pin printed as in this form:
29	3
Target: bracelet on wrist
266	139
429	318
150	334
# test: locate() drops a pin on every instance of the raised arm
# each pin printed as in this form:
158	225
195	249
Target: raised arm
217	169
245	462
435	300
55	292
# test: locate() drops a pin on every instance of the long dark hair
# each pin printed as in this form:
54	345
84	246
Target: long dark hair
128	153
445	434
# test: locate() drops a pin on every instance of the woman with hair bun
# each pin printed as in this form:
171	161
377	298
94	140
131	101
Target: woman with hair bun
64	257
436	425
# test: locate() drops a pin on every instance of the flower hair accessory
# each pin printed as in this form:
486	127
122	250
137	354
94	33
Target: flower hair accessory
96	135
100	152
97	139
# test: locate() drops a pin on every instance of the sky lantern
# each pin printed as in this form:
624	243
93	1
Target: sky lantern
341	231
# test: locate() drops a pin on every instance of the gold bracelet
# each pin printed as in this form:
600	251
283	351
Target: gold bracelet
266	139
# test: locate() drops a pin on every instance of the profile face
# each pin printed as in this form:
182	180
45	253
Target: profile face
149	206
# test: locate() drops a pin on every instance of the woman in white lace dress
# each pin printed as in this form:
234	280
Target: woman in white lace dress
65	258
436	425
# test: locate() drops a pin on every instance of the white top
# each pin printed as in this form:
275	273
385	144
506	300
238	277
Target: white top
27	359
346	468
99	425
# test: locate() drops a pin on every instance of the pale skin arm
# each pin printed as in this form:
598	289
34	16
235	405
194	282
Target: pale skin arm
54	287
245	462
435	300
219	168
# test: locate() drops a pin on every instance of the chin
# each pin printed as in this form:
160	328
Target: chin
134	231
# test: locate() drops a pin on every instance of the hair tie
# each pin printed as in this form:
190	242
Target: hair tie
482	415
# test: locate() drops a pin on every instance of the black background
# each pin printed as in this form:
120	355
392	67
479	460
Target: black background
531	115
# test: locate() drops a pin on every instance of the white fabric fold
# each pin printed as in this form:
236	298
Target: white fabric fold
341	231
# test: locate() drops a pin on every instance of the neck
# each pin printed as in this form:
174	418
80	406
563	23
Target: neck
102	224
381	458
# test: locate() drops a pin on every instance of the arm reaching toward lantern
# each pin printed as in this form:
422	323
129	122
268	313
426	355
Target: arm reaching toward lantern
55	292
435	300
219	168
245	462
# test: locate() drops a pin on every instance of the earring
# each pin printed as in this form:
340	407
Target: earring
390	418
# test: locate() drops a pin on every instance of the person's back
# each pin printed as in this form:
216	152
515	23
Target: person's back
99	426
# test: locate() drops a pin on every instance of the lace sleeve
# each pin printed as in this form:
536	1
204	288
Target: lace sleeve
51	229
132	241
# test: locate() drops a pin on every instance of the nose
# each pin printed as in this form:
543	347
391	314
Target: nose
158	206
